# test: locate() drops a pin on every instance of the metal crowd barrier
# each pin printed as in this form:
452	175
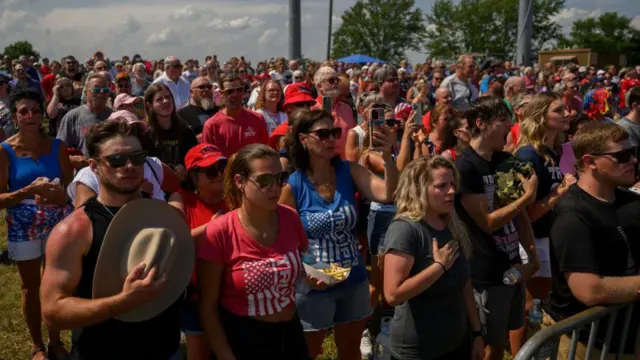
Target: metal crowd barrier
544	344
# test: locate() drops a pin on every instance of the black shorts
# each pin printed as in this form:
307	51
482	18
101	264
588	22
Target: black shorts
251	339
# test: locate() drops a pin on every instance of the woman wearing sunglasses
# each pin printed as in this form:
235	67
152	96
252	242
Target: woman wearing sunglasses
322	189
540	143
200	200
61	102
248	264
35	169
170	135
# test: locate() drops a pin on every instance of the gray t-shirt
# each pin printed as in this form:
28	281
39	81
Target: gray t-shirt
633	129
463	93
76	123
435	322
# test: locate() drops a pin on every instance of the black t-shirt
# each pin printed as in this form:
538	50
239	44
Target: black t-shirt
495	253
174	145
549	177
592	236
434	322
196	116
63	108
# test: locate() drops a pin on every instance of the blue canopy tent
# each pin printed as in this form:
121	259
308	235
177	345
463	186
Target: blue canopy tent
360	59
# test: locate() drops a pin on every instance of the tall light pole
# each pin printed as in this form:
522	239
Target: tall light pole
295	51
329	35
525	31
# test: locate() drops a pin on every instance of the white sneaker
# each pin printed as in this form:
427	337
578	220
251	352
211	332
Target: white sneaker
366	347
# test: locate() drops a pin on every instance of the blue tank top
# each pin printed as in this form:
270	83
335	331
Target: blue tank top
331	226
24	170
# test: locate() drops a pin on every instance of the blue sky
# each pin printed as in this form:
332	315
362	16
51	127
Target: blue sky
257	29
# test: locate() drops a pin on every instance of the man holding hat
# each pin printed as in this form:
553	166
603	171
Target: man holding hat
117	266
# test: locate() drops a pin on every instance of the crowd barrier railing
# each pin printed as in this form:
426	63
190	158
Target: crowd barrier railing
544	344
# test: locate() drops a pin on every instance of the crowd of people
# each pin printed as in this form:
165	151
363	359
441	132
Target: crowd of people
167	200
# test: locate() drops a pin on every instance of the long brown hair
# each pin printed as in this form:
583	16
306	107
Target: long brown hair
263	93
533	128
239	163
177	124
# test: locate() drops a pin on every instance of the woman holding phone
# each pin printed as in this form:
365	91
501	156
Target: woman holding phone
322	189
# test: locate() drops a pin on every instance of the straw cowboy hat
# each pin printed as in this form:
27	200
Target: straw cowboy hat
149	231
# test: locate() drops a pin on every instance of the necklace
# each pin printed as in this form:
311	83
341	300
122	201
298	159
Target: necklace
264	233
106	208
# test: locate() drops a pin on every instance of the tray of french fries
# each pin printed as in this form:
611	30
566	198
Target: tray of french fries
330	274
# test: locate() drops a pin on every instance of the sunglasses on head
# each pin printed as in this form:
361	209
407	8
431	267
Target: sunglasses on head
238	90
100	90
119	160
205	87
622	157
266	181
324	134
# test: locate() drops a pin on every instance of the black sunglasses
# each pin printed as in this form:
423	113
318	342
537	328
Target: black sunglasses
119	160
214	170
266	181
623	156
324	134
392	123
239	90
205	87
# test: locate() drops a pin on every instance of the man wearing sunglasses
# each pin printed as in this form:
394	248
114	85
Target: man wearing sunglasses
328	84
234	127
594	254
172	77
201	106
77	122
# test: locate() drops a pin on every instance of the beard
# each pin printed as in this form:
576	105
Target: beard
119	189
206	104
333	93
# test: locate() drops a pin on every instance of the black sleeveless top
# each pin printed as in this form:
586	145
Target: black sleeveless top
157	338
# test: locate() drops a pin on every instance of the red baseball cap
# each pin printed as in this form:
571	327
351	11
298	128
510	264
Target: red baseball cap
202	156
297	93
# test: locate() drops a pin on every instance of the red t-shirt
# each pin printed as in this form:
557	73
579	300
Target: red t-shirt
230	135
426	121
197	214
257	280
47	85
515	133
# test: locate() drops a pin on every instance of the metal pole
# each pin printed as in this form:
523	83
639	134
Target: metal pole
295	51
525	31
329	35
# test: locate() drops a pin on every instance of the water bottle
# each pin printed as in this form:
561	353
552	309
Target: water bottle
511	276
383	340
535	314
308	258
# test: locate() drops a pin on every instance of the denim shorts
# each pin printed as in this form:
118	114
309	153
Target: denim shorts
323	310
377	225
189	320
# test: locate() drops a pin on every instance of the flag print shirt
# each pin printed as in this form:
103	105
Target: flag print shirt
331	226
257	280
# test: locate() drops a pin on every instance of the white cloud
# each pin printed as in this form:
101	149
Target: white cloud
268	36
168	36
188	13
636	22
242	23
131	25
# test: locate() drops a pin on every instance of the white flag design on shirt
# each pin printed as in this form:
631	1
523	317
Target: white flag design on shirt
269	283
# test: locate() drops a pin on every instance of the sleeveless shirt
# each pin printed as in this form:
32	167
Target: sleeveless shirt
156	338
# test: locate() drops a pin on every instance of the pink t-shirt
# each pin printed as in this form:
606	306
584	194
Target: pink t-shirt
342	117
230	135
257	280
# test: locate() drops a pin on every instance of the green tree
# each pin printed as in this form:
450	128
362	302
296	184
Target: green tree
610	32
487	26
384	29
20	48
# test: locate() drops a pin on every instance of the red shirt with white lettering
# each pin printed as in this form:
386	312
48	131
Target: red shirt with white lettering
257	280
231	134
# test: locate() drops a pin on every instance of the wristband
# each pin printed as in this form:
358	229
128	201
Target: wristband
439	263
476	334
